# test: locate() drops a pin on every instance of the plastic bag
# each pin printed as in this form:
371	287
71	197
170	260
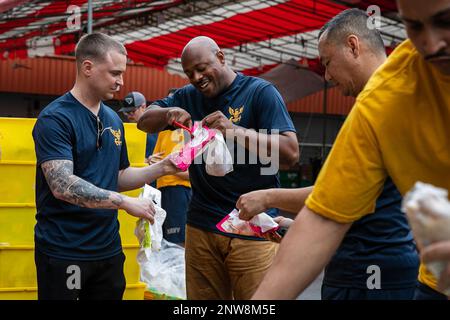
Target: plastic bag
428	212
150	235
164	271
161	263
261	225
201	137
218	158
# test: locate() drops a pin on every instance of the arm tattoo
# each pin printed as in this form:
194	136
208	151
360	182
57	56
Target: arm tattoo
68	187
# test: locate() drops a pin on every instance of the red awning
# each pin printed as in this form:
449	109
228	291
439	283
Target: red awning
255	35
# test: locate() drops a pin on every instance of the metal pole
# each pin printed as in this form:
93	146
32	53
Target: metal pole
89	25
324	133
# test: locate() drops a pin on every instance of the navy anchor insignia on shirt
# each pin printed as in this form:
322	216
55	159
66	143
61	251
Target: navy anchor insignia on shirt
117	136
235	113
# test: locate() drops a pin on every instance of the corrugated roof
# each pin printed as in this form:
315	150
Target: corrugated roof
252	33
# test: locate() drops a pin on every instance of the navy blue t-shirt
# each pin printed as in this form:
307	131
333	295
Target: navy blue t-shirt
383	239
248	102
149	147
66	130
150	144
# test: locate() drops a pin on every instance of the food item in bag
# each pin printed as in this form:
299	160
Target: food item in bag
428	212
202	136
261	225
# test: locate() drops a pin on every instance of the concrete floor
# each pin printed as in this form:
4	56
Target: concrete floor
313	291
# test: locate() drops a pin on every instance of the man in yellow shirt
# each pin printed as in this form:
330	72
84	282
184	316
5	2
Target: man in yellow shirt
175	189
382	239
399	126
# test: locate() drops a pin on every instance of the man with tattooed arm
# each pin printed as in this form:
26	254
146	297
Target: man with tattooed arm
82	164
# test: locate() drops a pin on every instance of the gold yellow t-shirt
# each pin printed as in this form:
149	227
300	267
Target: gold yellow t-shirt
399	126
169	142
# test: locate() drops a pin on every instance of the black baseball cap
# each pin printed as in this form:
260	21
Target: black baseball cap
132	101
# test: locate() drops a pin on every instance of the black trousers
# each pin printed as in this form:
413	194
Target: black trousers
424	292
60	279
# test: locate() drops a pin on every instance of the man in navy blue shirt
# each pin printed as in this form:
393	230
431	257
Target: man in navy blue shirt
134	107
82	164
377	259
218	265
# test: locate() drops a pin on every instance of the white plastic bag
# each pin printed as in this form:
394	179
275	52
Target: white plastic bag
151	193
428	212
164	271
150	235
162	265
218	158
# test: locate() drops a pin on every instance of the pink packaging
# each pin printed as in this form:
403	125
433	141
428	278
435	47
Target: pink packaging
261	225
201	137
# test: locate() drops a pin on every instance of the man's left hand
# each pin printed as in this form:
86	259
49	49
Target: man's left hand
439	251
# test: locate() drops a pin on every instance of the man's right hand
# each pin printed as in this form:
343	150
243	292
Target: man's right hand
251	204
140	208
179	115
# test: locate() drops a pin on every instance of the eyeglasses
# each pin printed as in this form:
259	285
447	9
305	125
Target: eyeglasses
99	133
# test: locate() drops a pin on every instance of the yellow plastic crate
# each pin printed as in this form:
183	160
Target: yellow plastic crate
18	293
17	223
135	291
132	292
17	181
127	225
136	143
16	140
17	267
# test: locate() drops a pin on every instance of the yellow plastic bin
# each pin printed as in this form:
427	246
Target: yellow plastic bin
133	291
136	143
18	293
16	139
17	267
17	222
17	143
17	181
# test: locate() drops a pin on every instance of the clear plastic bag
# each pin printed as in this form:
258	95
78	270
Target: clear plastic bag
428	212
162	265
164	271
218	158
150	235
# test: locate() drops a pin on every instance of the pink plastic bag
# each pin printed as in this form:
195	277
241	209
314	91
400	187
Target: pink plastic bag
201	137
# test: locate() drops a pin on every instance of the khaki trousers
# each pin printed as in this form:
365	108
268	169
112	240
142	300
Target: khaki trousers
224	268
